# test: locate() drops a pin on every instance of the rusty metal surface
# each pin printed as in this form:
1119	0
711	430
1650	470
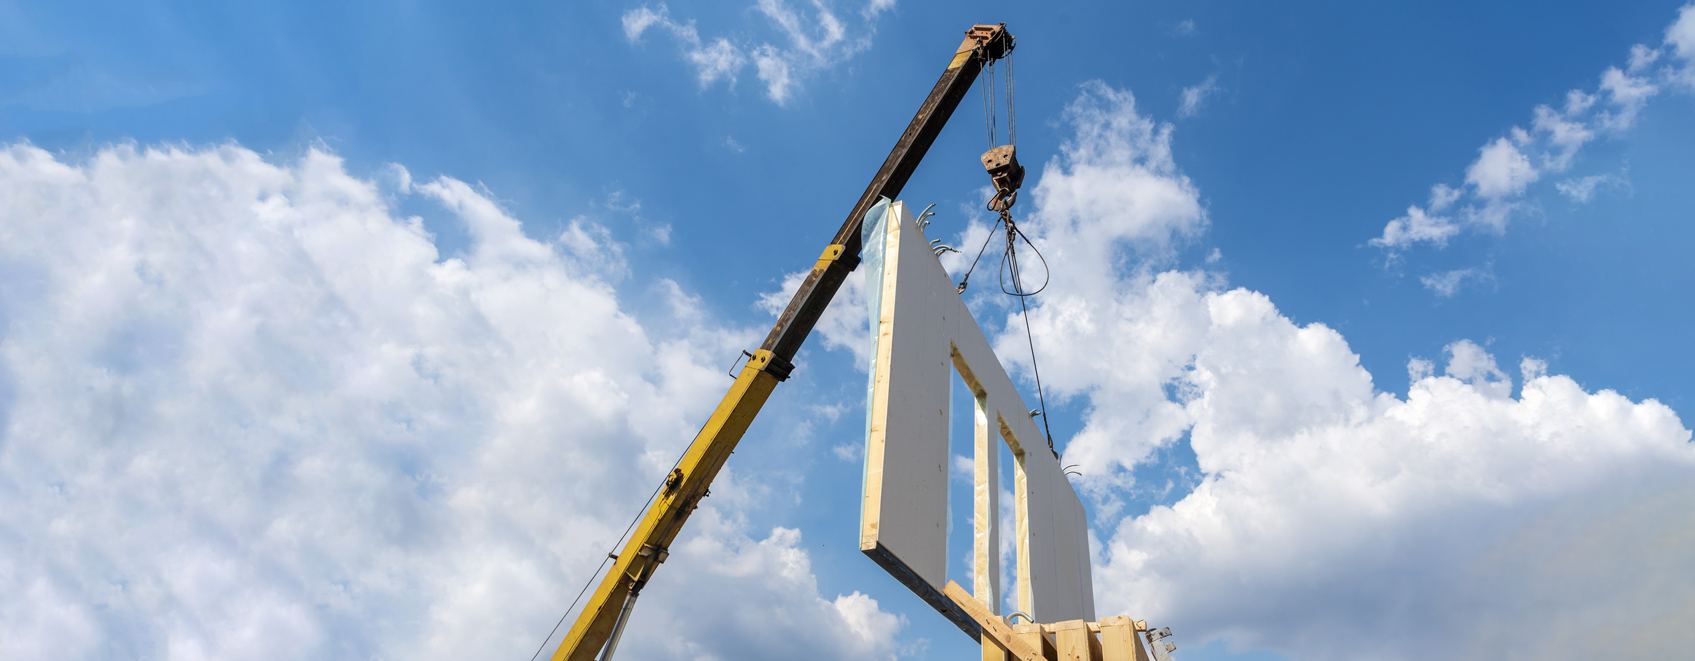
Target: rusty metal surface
985	43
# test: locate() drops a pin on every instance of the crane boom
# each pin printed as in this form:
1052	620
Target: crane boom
690	480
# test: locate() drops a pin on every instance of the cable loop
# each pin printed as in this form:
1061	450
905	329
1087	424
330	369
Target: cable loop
1009	261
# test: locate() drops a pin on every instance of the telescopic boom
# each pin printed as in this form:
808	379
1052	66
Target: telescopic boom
609	608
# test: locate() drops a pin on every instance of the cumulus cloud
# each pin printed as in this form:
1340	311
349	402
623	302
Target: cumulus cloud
1329	519
1113	182
1332	519
765	602
250	412
807	41
1507	166
1113	186
1329	528
1111	207
1500	171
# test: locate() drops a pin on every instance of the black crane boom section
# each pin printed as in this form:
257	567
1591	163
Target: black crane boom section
983	44
602	619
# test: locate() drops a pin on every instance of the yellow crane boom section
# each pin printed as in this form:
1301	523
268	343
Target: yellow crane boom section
689	481
683	490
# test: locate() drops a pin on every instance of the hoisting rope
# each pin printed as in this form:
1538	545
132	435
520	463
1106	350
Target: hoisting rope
1002	203
990	109
1010	269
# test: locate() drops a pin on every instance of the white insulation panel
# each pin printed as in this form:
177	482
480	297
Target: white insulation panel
925	330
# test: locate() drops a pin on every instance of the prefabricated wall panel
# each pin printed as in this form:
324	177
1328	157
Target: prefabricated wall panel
924	331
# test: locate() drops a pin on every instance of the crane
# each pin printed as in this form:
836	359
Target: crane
601	622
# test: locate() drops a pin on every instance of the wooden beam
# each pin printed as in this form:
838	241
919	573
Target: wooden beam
993	650
1033	635
1074	641
992	624
1119	641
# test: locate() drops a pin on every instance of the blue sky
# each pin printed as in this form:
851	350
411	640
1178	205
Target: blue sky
222	327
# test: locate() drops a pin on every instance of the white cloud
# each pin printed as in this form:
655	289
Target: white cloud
1507	166
1582	189
1532	368
1113	185
963	467
810	40
1500	170
1419	369
1422	225
1642	56
249	412
1447	283
775	68
1468	362
1564	133
1680	38
765	602
1627	94
1196	95
1442	197
1114	181
1184	28
1331	519
713	61
843	324
1110	206
1417	226
1680	35
1350	523
717	60
875	7
638	20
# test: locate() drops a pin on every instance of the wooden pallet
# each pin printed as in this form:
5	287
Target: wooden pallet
1111	639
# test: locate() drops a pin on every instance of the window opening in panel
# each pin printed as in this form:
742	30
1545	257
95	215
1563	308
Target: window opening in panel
1020	530
975	545
961	434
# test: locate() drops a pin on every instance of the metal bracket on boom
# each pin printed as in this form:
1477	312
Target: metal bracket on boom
836	254
650	550
992	42
772	364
